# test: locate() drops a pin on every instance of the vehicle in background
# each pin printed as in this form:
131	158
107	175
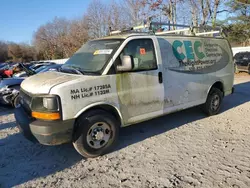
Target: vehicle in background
40	64
53	67
10	87
9	69
9	90
34	68
20	74
6	71
242	62
2	65
57	61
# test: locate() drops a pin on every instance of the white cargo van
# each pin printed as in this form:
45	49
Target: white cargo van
121	80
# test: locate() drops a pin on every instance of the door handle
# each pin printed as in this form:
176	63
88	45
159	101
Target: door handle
160	77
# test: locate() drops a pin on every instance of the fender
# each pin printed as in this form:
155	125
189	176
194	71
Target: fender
213	84
99	104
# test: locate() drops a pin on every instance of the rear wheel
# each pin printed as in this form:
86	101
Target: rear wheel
236	71
96	133
213	103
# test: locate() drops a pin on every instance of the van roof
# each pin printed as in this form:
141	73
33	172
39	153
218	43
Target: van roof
126	35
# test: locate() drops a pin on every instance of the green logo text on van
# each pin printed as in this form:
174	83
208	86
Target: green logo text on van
190	49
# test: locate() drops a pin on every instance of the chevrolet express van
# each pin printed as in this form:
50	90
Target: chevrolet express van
121	80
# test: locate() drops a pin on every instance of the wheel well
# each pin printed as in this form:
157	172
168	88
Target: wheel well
219	86
109	109
104	107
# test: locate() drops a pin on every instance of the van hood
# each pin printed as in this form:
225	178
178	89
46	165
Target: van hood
43	82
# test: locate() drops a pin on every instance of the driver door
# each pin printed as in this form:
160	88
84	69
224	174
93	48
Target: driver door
140	91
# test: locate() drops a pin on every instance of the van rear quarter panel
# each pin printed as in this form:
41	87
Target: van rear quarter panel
192	65
226	75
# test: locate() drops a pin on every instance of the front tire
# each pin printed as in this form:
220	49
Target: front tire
96	133
213	103
15	101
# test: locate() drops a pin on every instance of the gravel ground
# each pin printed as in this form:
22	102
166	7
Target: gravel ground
184	149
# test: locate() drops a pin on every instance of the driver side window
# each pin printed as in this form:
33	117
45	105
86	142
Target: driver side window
142	53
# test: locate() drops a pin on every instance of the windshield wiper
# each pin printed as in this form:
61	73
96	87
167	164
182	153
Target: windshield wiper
76	69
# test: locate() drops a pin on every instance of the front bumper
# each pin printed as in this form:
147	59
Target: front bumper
44	132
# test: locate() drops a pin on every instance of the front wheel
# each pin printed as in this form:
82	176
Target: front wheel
213	103
96	133
15	101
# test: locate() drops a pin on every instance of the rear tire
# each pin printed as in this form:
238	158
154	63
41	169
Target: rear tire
96	133
236	71
213	103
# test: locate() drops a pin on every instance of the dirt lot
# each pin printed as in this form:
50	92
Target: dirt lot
185	149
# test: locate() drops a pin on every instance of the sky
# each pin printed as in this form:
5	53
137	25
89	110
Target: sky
19	19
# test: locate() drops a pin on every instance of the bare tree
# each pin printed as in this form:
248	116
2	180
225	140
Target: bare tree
194	12
21	52
101	17
44	43
60	38
77	36
206	9
135	10
96	17
28	52
166	8
214	10
3	51
49	38
15	52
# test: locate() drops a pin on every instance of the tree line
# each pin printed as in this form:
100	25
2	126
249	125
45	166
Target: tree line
61	37
10	51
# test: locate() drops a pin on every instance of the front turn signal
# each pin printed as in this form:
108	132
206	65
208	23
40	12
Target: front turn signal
46	116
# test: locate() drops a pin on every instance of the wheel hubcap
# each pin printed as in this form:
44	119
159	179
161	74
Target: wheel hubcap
215	102
98	135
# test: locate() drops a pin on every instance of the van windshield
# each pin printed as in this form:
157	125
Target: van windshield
93	56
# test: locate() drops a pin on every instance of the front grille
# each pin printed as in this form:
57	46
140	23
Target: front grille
25	100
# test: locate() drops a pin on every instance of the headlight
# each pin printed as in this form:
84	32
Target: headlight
45	104
46	107
50	103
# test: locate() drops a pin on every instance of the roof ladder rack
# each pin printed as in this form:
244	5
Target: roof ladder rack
207	33
129	30
152	27
172	31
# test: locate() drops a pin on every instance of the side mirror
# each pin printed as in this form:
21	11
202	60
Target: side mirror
127	64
